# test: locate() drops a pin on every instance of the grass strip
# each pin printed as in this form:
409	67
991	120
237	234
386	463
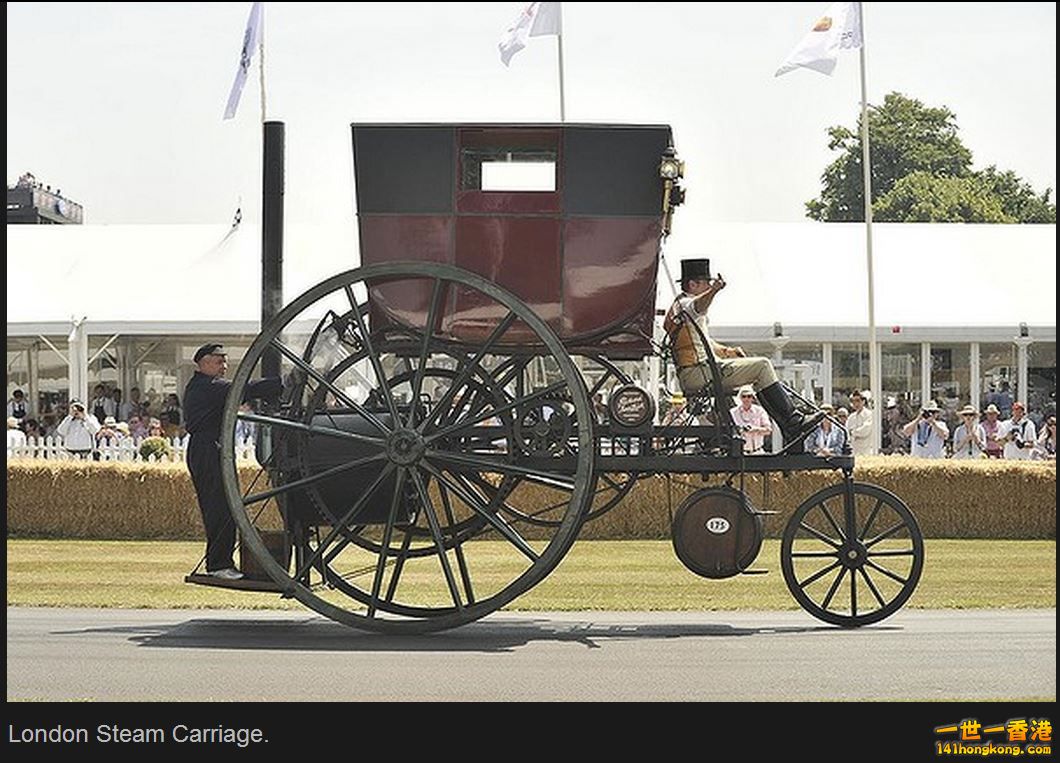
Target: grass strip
595	575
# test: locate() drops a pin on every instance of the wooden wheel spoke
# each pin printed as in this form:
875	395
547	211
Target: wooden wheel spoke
458	546
436	535
475	504
337	529
384	548
483	415
313	429
417	378
819	574
486	464
834	588
468	368
896	578
399	565
853	594
872	517
884	535
819	535
305	481
872	587
373	357
831	521
338	393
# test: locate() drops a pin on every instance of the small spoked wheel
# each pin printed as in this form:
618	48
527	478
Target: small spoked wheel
393	463
853	557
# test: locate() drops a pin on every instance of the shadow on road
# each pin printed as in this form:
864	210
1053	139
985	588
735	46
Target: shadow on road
318	634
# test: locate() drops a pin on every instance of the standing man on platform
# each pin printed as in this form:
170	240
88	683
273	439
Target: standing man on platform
204	403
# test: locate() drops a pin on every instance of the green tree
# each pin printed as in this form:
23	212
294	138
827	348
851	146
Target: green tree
1018	199
921	197
921	172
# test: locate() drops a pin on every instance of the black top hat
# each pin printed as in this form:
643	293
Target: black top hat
698	270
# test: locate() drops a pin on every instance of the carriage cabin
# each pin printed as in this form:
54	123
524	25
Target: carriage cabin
569	218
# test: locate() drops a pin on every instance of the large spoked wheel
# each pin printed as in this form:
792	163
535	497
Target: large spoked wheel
852	558
390	455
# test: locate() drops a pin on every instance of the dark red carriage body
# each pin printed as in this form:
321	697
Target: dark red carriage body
581	248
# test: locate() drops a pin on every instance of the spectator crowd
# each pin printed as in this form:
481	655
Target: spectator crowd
108	419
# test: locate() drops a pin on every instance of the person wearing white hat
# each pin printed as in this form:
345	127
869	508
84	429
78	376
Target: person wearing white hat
751	420
991	425
927	433
16	438
969	439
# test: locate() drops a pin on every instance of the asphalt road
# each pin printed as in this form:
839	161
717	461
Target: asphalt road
134	655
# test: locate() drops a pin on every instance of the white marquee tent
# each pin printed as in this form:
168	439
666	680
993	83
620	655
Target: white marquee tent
932	282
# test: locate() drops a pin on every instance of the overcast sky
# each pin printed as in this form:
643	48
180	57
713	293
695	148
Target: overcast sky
120	105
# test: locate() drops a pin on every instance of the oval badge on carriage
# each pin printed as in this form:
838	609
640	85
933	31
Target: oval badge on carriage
718	525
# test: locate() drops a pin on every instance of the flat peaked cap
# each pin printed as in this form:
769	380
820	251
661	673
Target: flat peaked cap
209	349
697	269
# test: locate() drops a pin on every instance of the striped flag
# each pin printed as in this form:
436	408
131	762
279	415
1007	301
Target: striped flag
251	41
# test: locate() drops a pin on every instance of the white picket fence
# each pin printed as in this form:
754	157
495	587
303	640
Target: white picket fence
126	450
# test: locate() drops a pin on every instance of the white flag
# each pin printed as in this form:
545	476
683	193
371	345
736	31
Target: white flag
537	20
251	40
838	28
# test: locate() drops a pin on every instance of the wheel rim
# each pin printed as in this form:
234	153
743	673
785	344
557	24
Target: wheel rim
428	463
852	567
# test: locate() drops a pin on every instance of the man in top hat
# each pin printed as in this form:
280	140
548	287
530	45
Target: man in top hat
927	433
969	439
204	403
686	325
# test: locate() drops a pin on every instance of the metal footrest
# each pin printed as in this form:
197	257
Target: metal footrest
243	584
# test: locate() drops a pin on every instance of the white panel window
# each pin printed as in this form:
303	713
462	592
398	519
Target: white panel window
519	176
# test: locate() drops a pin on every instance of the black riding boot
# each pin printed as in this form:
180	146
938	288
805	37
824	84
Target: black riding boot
793	425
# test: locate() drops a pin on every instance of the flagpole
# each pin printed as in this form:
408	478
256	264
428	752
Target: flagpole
559	47
866	171
261	63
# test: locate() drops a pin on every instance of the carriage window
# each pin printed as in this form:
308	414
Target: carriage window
508	169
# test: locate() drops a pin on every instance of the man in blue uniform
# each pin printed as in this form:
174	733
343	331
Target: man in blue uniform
204	402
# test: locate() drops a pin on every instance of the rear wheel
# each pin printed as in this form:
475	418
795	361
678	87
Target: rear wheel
387	454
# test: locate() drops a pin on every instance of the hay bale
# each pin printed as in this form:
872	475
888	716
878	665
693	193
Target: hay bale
951	499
